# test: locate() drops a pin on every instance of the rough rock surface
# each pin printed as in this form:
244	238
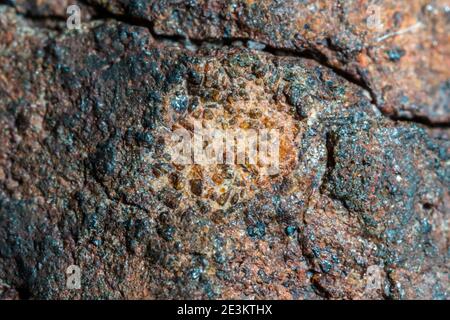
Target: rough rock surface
360	206
400	51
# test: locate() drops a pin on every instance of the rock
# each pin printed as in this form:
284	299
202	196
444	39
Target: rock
351	36
358	207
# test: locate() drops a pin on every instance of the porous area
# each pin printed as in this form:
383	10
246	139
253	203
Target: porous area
359	209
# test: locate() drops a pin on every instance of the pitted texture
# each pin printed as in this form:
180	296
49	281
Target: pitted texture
359	209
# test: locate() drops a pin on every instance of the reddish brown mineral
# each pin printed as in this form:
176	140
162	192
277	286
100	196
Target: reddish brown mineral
358	93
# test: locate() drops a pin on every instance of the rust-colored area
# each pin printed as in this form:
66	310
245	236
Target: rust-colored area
88	177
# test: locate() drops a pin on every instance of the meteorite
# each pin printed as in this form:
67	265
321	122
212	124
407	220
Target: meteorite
357	93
